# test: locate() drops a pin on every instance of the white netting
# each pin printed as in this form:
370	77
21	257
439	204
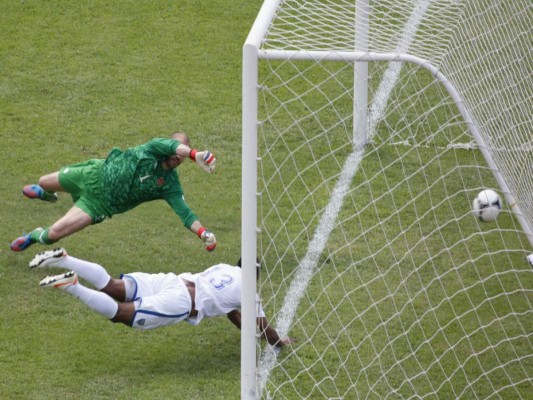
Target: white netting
372	258
484	47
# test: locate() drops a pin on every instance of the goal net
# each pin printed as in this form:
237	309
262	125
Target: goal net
368	129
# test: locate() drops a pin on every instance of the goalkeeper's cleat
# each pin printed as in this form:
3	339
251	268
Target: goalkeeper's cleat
48	258
37	192
61	281
23	242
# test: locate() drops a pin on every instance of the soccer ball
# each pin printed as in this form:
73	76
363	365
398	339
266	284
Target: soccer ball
487	205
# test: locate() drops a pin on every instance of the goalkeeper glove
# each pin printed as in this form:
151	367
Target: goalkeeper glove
210	242
530	259
205	159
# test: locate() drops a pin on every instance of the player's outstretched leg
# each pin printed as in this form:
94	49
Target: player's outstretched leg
94	299
37	192
61	281
86	270
48	258
23	242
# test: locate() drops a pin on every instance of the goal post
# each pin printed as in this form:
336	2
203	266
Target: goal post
249	200
361	157
360	111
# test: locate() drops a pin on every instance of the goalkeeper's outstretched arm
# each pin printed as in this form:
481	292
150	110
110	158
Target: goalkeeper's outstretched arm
205	159
190	220
209	239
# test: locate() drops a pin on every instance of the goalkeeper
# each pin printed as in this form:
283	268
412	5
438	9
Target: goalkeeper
148	301
101	188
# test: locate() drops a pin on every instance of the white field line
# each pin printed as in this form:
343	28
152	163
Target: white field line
309	262
327	222
317	244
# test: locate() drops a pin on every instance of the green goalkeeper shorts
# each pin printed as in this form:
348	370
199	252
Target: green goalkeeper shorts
83	181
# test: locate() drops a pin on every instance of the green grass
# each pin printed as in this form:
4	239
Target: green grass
76	79
396	306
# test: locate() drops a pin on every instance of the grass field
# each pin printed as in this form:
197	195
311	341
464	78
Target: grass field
421	302
76	79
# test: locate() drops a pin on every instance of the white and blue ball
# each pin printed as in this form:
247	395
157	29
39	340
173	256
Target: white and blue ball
487	205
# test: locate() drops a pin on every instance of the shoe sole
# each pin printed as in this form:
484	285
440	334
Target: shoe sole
62	281
40	258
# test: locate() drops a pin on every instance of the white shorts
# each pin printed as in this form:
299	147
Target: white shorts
160	300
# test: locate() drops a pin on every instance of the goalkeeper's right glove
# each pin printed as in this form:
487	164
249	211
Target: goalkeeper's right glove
205	159
210	242
530	259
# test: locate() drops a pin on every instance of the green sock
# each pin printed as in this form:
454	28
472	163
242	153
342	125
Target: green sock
40	235
48	196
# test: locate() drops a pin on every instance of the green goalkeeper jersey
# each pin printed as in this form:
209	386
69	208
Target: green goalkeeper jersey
135	176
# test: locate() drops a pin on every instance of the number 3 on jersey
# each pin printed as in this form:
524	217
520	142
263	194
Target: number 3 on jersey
221	282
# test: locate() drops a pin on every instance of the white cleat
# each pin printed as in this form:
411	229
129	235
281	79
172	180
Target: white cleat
48	258
61	281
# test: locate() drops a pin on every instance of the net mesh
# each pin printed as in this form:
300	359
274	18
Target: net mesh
372	258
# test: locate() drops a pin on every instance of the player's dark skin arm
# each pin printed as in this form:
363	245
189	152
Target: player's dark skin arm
266	330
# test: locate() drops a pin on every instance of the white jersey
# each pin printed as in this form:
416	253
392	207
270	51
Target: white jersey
218	292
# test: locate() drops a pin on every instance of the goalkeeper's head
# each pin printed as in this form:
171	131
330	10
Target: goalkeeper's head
181	137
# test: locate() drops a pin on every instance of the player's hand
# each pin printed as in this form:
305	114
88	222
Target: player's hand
530	259
285	342
209	239
205	159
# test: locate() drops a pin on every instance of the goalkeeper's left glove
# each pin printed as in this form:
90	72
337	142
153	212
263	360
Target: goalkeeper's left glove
530	259
205	159
210	242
